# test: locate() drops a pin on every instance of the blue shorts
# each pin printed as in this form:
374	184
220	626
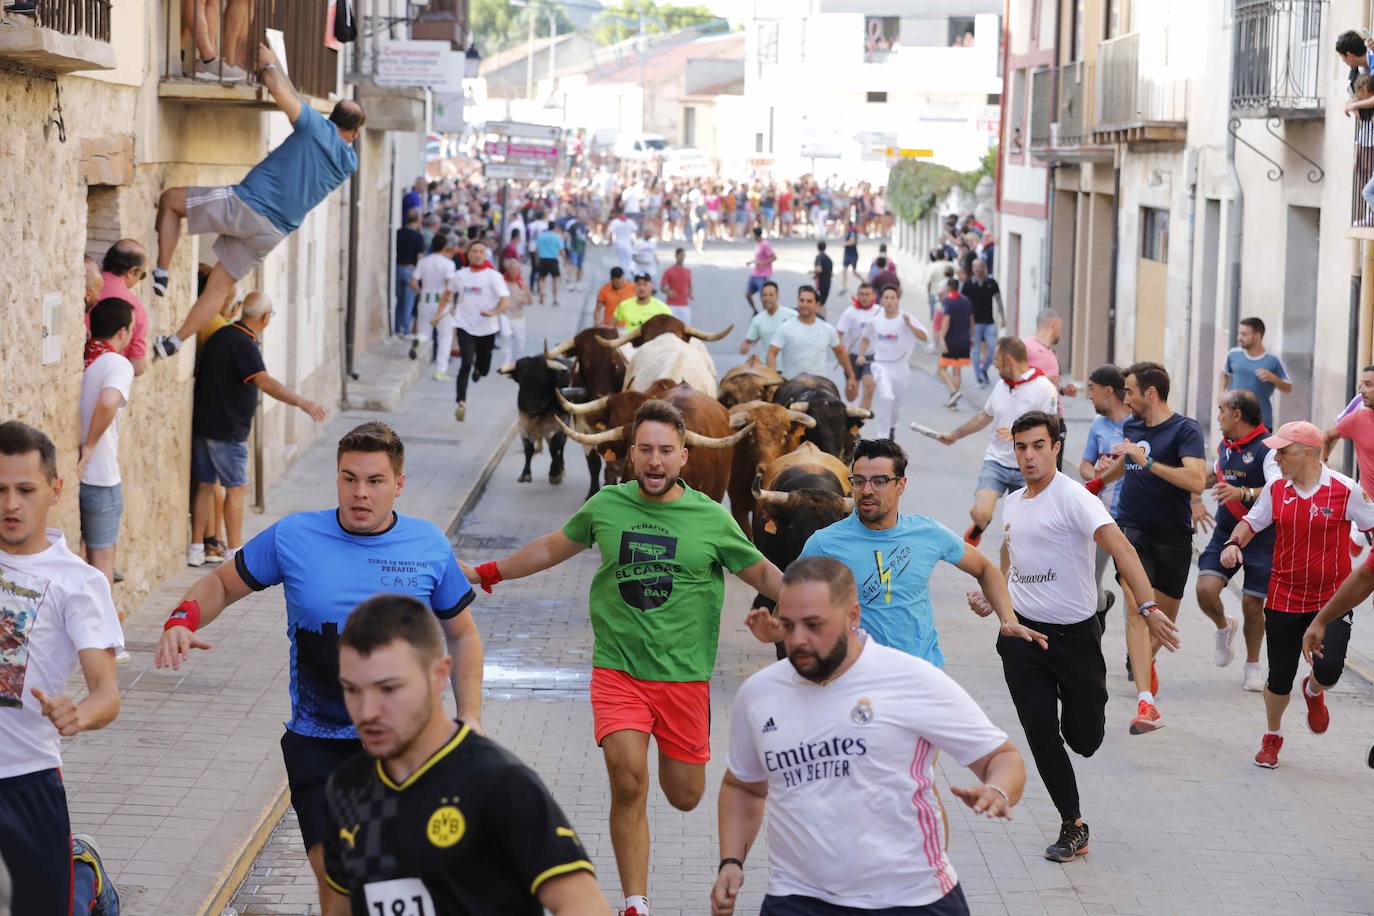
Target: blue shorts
217	461
767	214
101	508
577	258
1001	480
851	258
1258	564
756	284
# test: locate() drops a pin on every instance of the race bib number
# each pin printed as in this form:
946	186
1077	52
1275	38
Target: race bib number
399	897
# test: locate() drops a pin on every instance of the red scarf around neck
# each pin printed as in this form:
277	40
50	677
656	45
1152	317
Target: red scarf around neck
95	349
1252	435
1034	374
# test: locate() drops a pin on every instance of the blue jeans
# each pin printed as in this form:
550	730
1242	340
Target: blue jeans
983	333
405	300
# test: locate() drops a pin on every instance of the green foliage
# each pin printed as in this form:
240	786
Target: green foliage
497	25
621	21
914	187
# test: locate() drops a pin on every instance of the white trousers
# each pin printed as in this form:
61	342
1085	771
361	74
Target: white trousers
445	329
515	337
428	306
889	386
627	260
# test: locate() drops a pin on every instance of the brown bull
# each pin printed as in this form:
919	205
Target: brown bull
777	431
708	433
749	381
660	325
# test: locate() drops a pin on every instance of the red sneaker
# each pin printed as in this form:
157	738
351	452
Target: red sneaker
1268	756
1318	716
1154	679
973	535
1147	719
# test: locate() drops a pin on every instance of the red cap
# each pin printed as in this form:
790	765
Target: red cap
1296	432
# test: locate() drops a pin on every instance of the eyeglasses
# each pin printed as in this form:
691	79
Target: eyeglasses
879	481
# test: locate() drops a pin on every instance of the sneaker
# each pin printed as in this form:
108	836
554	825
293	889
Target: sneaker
460	413
1147	719
166	346
972	536
1226	638
195	555
1254	678
633	911
414	348
440	375
953	398
105	901
1073	841
1318	716
159	281
214	550
1268	756
222	73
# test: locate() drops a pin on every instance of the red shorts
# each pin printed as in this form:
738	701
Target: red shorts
676	713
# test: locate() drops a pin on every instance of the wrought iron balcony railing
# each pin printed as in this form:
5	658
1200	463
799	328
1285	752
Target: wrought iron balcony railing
1276	58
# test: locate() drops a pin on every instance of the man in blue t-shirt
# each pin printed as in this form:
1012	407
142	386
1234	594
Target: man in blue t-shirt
329	562
1106	392
252	217
548	246
892	556
1249	367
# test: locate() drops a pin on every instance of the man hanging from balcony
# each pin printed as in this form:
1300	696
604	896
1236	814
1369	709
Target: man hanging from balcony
252	217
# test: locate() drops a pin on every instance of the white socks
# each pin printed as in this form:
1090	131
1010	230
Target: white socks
640	905
1307	688
1146	696
1277	733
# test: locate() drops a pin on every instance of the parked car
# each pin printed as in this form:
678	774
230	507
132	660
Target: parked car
639	147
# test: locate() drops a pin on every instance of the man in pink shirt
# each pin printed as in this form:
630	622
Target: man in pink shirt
1049	328
1356	423
677	286
762	268
123	268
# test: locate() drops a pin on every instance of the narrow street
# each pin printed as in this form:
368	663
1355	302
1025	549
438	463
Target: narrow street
1167	837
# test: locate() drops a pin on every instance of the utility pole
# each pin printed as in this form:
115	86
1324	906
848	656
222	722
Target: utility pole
529	59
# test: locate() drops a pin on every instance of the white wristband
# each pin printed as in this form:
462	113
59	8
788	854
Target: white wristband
1000	791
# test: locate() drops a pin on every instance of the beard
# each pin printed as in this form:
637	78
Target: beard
823	666
668	484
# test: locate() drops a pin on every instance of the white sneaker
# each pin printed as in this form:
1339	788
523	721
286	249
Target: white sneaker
1254	678
1226	638
212	70
440	375
195	555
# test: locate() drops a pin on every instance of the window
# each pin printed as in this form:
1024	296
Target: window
758	142
689	126
877	96
961	31
882	36
767	43
102	219
1016	110
1154	234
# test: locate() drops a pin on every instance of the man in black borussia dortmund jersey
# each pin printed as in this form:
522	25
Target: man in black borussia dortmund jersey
434	818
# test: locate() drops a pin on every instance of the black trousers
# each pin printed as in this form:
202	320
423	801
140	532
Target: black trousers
473	351
1061	697
1283	634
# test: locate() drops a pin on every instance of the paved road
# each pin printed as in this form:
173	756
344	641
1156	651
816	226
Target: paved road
1182	822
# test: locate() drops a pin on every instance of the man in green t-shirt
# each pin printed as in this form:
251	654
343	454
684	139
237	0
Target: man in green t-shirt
634	312
655	608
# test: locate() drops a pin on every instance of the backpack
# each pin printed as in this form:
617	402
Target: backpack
345	25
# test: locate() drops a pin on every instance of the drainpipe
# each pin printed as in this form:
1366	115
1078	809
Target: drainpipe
1116	253
351	300
1192	166
1236	216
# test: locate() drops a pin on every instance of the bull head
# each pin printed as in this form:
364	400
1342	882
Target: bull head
696	440
592	440
780	499
581	409
739	415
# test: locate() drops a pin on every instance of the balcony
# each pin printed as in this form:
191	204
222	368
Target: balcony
61	36
1136	102
1361	216
1075	124
233	37
1042	107
1276	58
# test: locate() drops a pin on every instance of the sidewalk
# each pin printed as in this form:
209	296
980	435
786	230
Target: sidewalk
184	787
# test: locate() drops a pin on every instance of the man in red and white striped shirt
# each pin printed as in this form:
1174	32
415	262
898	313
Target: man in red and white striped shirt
1311	509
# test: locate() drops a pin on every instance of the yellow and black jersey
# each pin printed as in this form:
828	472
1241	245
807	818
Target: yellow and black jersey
472	832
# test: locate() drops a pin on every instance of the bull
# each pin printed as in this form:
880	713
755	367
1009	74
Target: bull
536	402
837	424
777	431
749	381
670	357
659	325
596	372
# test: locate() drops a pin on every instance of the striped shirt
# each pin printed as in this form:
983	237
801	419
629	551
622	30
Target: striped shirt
1311	552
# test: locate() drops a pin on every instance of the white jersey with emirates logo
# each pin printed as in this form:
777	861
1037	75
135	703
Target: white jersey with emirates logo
850	767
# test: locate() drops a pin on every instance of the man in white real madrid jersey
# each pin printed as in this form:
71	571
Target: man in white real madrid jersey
837	744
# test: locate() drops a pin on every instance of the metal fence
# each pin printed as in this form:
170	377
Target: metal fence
1075	103
312	66
1042	107
90	18
1275	57
1360	213
1129	94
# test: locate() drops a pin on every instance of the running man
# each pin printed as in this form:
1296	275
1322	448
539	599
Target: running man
823	742
1052	530
893	336
1312	509
762	268
1163	467
850	258
253	216
430	279
800	345
634	310
655	605
1019	389
466	827
330	561
850	326
765	323
956	334
1106	393
1245	466
479	297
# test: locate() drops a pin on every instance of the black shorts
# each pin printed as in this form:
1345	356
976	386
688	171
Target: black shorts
851	258
1283	634
951	904
860	371
309	764
1167	558
547	267
36	842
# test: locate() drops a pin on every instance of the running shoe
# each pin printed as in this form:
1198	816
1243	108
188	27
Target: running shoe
105	901
1318	716
1147	719
440	375
159	281
1268	756
415	348
460	413
1226	638
1073	841
195	555
166	346
1254	678
973	535
953	399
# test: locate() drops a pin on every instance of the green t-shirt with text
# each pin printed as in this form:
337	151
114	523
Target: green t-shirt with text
657	596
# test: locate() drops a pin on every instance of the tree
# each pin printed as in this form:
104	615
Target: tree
497	25
621	21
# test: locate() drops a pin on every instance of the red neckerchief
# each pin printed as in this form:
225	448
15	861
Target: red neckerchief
96	349
1235	506
860	306
485	265
1034	374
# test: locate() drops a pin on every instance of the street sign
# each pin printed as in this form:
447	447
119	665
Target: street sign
522	152
516	172
520	129
428	64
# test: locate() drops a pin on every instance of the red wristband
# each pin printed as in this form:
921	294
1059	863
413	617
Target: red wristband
490	575
1094	486
186	615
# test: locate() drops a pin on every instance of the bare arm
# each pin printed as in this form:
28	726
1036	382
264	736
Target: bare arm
336	904
739	811
773	356
995	597
843	358
283	93
1162	629
1333	435
501	306
574	894
275	389
538	555
106	407
101	703
978	421
465	648
763	577
1191	476
1004	769
1223	380
140	366
1087	469
213	593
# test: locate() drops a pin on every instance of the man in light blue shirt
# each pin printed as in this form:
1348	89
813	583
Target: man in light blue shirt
271	202
799	346
765	323
1249	367
548	247
892	556
1106	391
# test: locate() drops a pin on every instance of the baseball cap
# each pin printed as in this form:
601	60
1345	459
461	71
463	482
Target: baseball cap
643	276
1296	432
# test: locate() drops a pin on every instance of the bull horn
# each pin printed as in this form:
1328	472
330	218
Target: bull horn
507	369
592	439
800	406
559	350
859	413
770	497
738	419
553	364
696	440
620	341
702	335
804	419
579	410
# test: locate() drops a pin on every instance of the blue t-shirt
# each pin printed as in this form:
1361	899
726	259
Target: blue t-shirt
1102	435
299	173
1242	368
1148	501
892	568
549	244
329	571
